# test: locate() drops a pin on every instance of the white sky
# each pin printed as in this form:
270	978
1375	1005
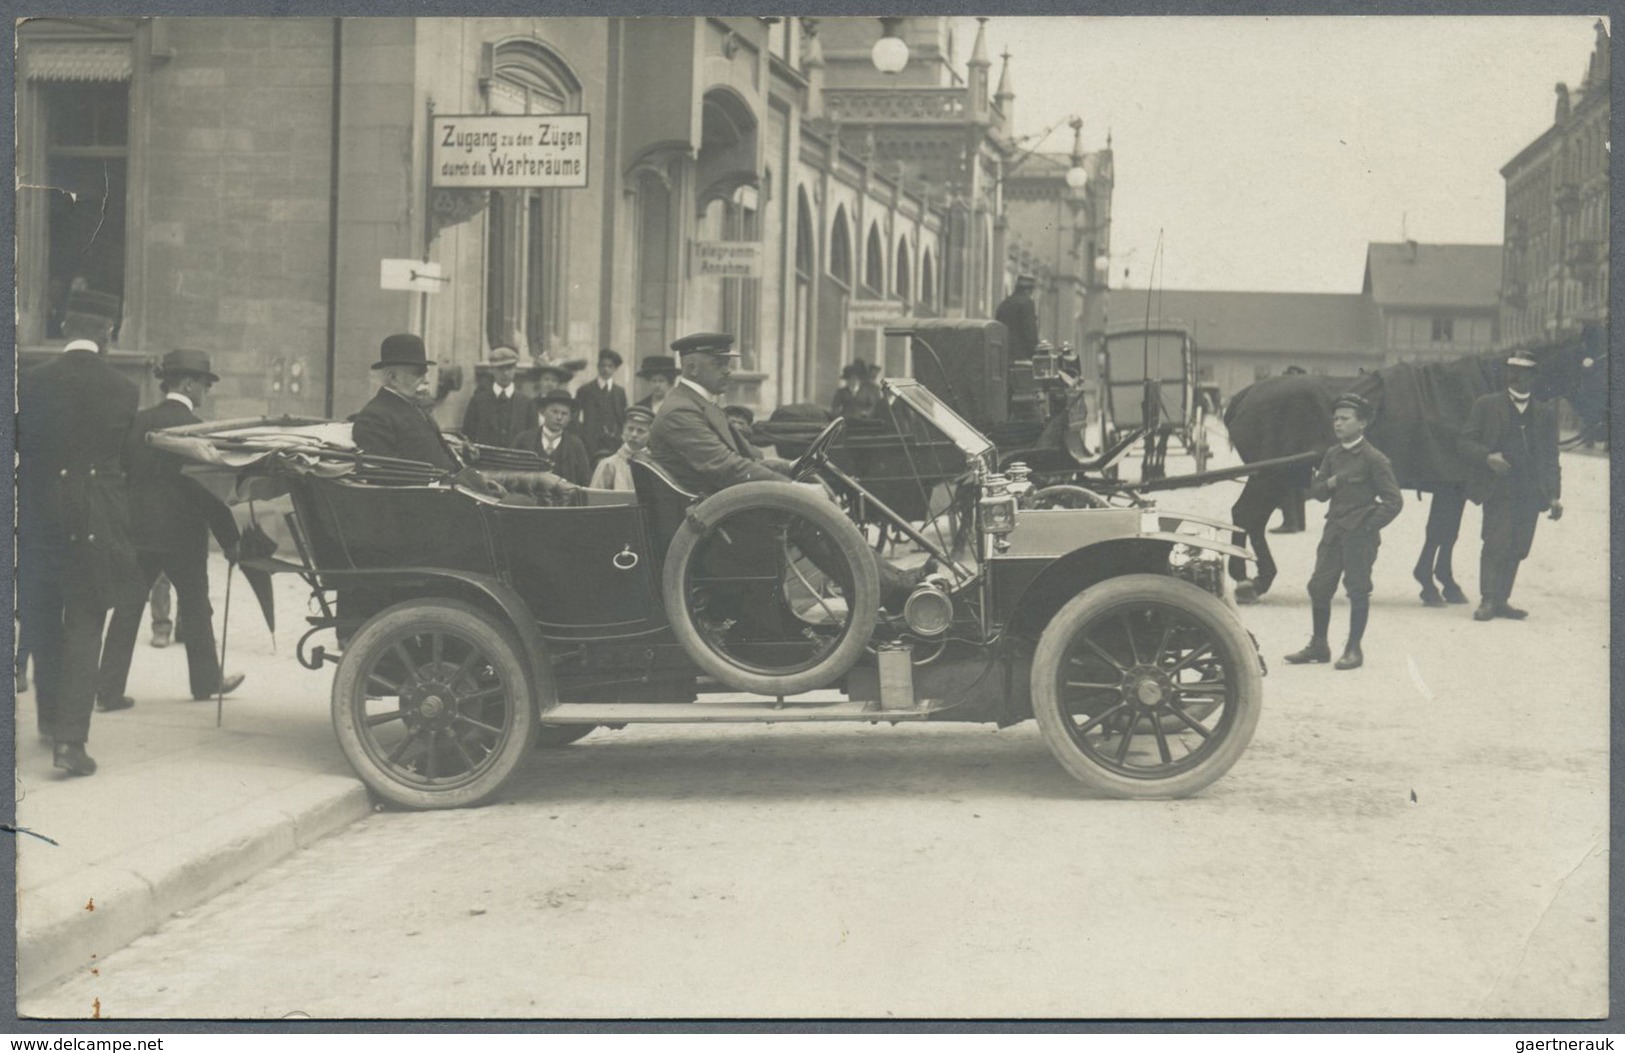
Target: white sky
1269	151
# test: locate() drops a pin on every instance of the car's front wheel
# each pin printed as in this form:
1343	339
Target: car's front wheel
1146	687
432	704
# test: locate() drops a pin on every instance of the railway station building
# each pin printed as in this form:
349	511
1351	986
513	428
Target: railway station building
285	192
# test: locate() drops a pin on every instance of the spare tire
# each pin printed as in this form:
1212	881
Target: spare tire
749	527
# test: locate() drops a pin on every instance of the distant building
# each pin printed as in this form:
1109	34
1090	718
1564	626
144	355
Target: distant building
1555	266
1433	301
1242	337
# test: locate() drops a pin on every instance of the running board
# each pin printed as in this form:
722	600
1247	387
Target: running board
726	712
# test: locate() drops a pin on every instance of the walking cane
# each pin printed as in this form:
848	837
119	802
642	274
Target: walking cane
225	627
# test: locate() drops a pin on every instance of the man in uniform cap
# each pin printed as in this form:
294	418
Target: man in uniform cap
602	404
171	517
393	424
615	471
1510	444
1362	496
75	560
661	373
1019	314
562	453
693	440
498	411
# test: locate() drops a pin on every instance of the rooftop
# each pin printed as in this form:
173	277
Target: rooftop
1307	323
1409	274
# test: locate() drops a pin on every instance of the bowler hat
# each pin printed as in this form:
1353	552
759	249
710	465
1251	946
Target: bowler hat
640	413
1025	281
611	355
658	366
1521	358
706	343
184	362
856	368
1349	400
557	395
503	356
403	349
744	413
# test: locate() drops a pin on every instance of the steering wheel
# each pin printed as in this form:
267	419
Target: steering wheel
817	452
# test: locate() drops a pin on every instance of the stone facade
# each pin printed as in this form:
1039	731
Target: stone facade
1555	268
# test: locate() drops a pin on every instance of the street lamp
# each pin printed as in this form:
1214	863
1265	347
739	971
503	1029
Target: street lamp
890	53
1077	177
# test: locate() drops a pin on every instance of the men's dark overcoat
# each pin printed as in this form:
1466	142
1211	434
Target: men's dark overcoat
1492	427
493	421
171	516
569	458
1019	314
73	415
602	414
392	426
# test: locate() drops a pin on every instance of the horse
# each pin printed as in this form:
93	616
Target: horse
1421	409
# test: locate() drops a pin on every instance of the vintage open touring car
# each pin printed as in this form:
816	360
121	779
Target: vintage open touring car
467	625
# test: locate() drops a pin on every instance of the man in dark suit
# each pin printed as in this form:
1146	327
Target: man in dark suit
602	405
1510	444
497	412
75	557
703	452
171	517
661	373
858	397
1019	314
562	453
393	424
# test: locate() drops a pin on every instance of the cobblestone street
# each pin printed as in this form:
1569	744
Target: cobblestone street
1424	837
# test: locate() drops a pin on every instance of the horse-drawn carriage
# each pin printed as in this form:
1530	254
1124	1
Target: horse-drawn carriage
1148	383
466	627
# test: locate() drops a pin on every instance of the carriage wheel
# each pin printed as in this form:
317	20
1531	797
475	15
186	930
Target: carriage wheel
771	589
1145	686
432	704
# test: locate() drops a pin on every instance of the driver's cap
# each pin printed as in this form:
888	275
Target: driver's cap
1518	358
706	343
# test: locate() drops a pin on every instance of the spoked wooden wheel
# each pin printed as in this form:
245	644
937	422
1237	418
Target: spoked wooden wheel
1146	686
432	705
771	589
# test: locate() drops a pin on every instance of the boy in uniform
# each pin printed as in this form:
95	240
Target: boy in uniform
615	471
1363	497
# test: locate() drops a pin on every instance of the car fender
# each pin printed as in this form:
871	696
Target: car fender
497	597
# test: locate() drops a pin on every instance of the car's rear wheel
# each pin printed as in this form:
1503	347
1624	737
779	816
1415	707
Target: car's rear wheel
432	704
1146	687
771	589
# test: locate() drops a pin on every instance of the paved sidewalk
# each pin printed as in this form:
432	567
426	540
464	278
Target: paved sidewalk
180	810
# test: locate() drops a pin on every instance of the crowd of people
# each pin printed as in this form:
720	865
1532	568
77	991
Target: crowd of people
107	522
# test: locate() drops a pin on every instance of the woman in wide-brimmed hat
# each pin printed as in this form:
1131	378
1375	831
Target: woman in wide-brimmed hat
859	396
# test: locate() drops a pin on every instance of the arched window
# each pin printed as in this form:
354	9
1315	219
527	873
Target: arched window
840	249
900	272
874	263
928	281
525	228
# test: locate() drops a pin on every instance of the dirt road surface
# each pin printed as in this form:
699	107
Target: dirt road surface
1423	837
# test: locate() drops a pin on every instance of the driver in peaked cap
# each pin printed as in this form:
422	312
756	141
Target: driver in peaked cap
693	440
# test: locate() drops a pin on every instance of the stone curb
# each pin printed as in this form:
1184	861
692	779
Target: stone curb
71	926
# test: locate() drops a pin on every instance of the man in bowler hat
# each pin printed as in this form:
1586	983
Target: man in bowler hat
497	412
1510	445
75	560
602	405
393	424
1019	314
171	517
